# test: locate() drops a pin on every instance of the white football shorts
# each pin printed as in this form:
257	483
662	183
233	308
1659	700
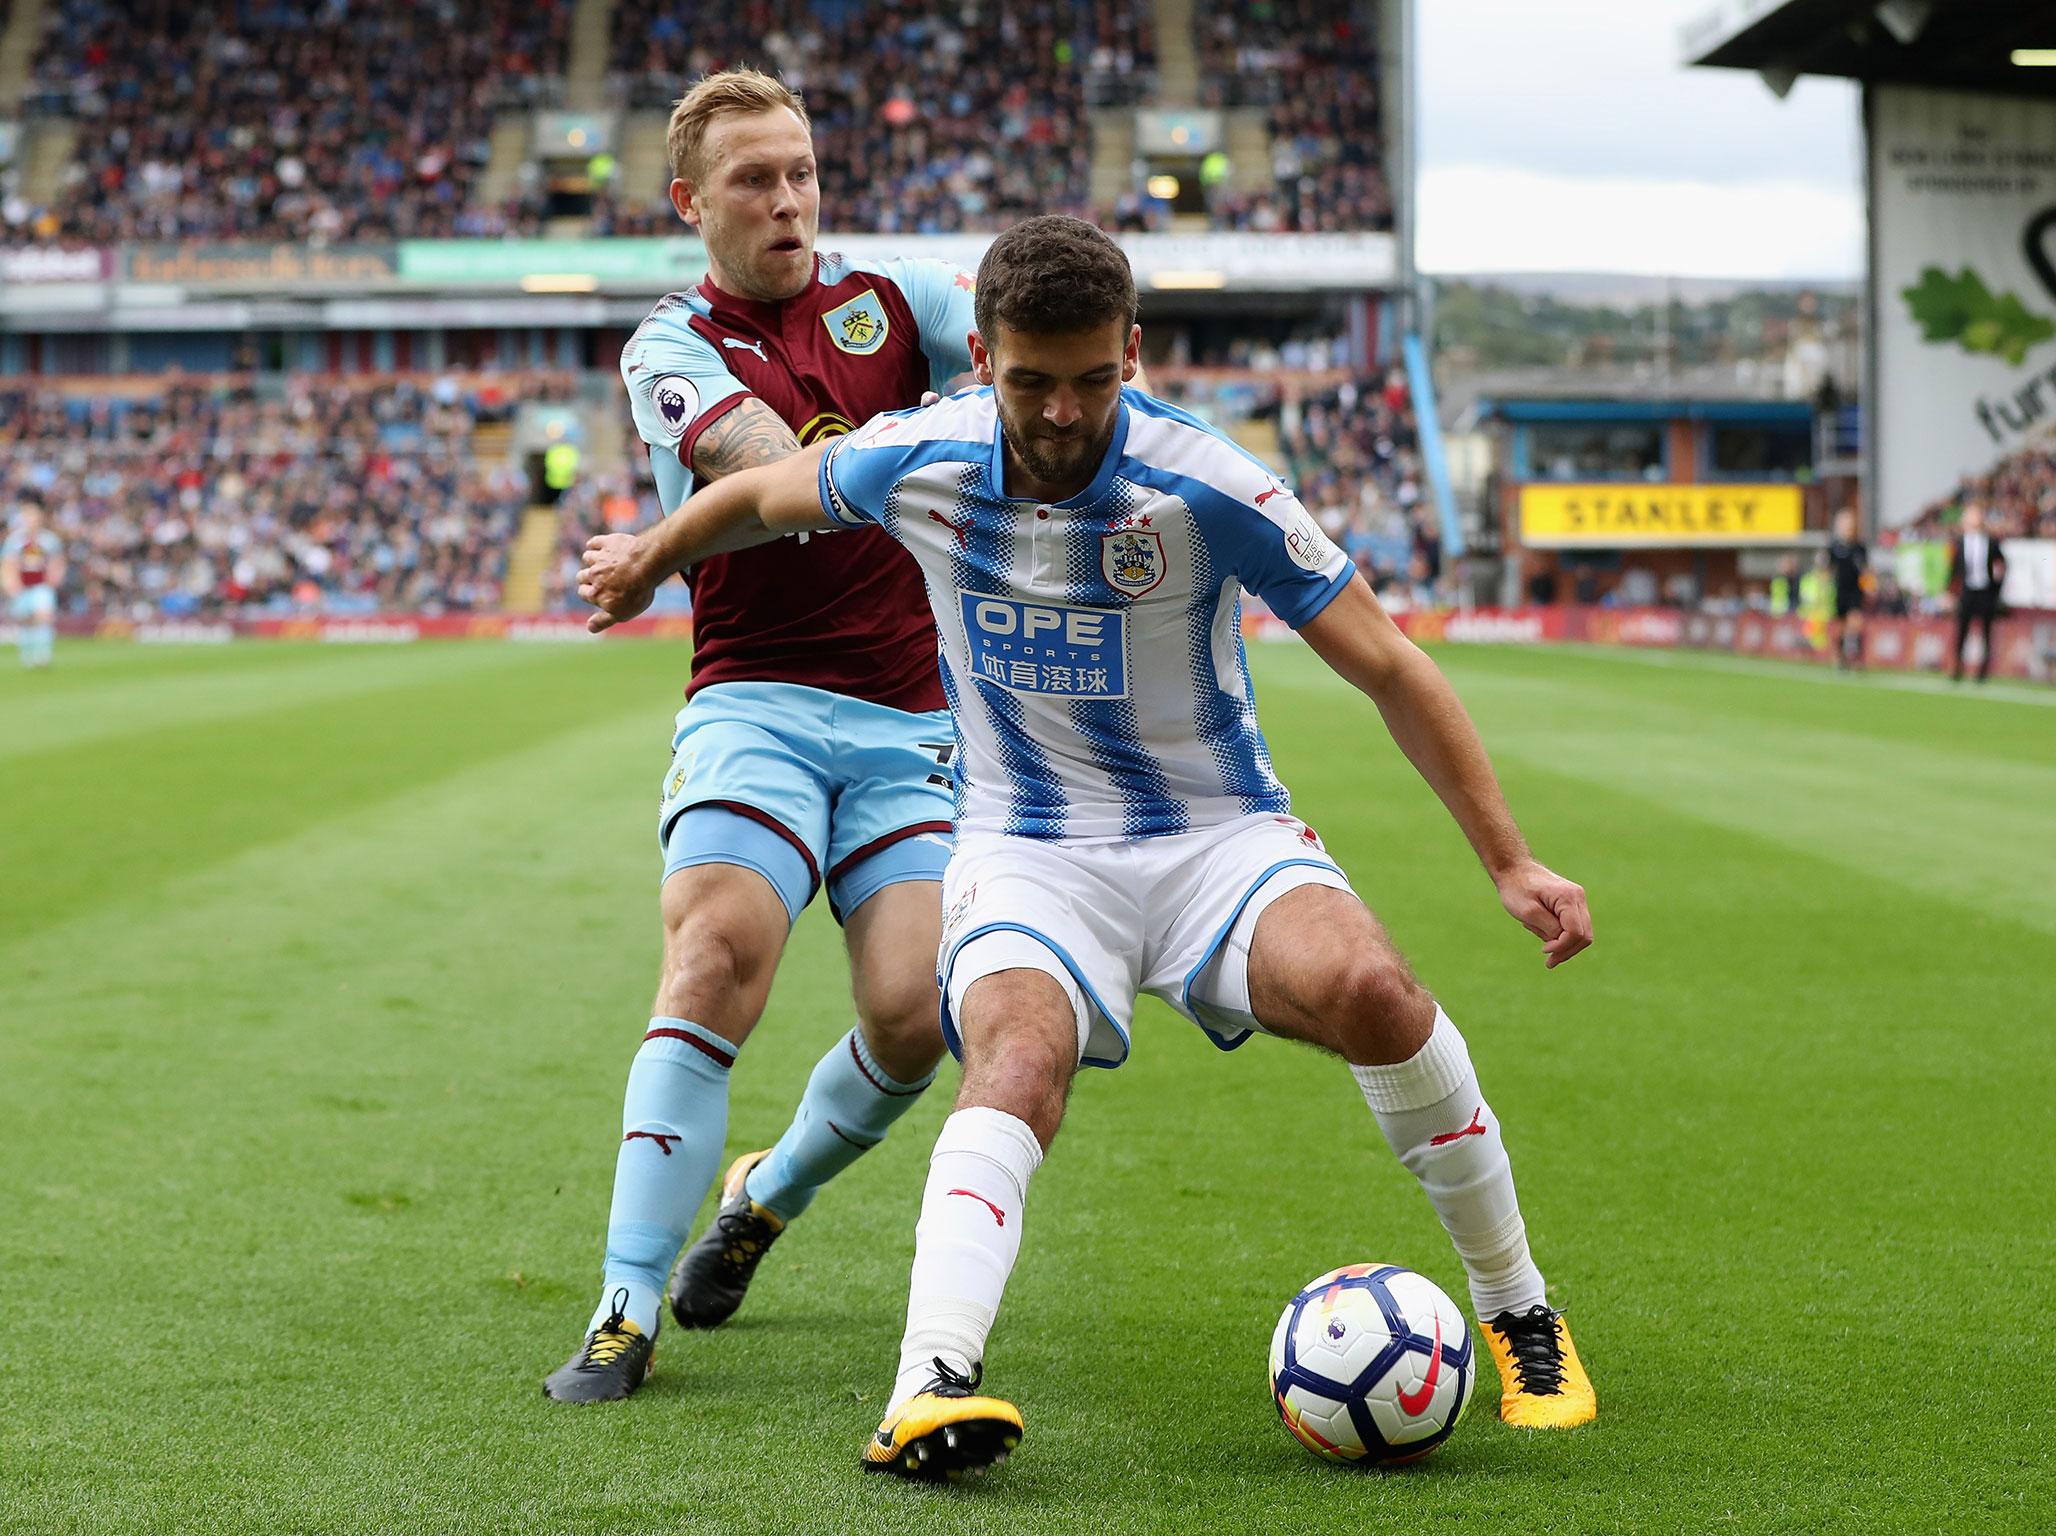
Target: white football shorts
1172	916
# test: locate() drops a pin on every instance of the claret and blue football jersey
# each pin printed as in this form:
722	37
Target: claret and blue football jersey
1092	648
865	336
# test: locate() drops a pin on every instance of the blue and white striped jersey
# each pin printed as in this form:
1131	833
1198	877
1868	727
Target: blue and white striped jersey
1092	649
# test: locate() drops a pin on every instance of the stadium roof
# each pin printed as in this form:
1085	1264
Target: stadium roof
1625	393
1964	43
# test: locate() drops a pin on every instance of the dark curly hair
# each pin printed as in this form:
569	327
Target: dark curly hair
1054	273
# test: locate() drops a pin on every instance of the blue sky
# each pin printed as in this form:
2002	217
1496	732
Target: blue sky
1567	136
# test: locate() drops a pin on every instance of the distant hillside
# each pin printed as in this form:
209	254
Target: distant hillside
1600	320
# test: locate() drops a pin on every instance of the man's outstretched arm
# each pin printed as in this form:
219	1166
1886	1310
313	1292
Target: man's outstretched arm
1356	637
621	571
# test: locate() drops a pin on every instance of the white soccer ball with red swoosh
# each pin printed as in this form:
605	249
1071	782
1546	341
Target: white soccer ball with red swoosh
1372	1363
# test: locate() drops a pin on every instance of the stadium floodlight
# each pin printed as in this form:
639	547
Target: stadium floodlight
1780	79
1905	19
2035	58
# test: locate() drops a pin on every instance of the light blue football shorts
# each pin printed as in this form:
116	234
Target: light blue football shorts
38	605
802	785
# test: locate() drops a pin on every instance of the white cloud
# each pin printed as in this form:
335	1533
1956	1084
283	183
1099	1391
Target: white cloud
1598	87
1485	218
1571	137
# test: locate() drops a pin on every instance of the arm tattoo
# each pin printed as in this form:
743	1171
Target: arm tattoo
750	435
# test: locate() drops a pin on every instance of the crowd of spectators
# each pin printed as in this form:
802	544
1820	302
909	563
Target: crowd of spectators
357	120
253	496
1354	458
1314	67
328	122
1347	445
609	500
2018	495
927	119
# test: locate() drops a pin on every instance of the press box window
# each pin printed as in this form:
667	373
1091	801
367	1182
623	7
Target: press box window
1575	451
1779	453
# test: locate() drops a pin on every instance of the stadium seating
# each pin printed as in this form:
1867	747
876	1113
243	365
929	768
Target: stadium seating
269	120
924	121
2018	495
1316	70
1346	442
229	121
264	495
246	496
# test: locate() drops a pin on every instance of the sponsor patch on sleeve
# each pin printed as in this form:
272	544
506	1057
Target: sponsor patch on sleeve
677	400
1311	549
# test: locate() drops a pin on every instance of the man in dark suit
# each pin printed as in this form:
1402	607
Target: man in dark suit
1977	566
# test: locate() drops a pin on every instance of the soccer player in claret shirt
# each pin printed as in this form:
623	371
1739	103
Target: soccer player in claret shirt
813	748
1119	828
31	569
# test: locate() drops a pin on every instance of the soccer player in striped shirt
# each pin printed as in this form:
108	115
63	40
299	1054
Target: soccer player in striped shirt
1119	827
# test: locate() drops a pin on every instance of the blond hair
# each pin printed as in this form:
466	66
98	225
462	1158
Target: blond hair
731	91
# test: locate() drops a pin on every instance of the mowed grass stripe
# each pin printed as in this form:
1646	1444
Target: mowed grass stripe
321	1134
332	1103
2015	725
159	802
1961	815
2037	695
75	703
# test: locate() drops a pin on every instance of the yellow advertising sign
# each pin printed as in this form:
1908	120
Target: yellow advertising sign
1615	515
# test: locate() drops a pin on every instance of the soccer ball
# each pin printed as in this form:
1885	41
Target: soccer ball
1373	1364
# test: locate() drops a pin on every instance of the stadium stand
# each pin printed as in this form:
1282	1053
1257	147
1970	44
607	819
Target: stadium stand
2018	495
925	119
266	120
1346	441
343	121
269	494
246	495
376	119
1315	67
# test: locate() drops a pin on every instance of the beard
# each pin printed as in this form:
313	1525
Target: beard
1056	461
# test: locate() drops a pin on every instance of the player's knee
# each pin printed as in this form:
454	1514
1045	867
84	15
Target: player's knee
1377	1006
899	1002
1020	1037
705	958
903	1027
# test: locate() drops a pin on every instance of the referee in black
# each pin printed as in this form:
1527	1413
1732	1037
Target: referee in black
1849	560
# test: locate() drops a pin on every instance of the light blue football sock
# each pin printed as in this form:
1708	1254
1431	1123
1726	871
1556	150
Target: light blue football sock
673	1122
848	1107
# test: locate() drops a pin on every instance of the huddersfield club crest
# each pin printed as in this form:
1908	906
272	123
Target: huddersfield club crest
1132	560
860	326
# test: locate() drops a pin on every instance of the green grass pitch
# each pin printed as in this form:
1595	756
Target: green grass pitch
320	969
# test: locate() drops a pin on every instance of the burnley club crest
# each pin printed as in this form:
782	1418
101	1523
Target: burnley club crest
1132	560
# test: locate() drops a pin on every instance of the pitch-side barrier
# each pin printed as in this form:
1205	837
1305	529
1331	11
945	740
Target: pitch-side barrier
2024	641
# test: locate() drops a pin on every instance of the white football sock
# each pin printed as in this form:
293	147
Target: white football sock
964	1247
1432	1112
